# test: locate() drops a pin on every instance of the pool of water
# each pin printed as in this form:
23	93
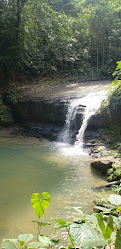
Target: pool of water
28	165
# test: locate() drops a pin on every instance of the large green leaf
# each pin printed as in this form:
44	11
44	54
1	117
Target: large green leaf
106	230
109	228
34	245
91	217
118	240
7	244
101	223
45	240
25	237
115	199
85	236
40	205
12	240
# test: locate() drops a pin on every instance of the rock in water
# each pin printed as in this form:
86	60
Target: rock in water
102	164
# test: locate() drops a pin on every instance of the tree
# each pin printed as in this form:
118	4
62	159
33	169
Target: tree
42	37
11	38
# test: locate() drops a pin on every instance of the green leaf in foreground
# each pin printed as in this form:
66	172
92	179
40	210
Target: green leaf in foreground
115	199
85	236
118	240
106	230
34	245
101	222
12	240
40	205
109	228
45	241
8	245
25	238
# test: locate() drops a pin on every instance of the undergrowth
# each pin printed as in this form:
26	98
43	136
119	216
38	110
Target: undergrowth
98	230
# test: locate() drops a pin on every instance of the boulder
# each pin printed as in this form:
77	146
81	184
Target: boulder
102	164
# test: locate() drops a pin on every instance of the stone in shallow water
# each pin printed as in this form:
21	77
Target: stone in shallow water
102	164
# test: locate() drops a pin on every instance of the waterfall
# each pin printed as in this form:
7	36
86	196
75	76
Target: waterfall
70	118
91	102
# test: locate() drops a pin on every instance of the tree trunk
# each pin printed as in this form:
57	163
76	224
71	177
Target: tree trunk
18	20
97	54
103	53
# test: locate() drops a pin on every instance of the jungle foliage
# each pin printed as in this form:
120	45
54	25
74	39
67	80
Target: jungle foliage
98	230
46	37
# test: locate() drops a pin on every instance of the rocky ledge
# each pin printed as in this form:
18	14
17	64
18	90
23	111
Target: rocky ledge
108	165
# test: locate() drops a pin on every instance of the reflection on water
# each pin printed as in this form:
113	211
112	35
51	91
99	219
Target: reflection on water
29	165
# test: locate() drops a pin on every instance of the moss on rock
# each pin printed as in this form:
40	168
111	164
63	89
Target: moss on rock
114	173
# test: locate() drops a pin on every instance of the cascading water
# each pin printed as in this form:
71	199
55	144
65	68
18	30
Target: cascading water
66	134
92	102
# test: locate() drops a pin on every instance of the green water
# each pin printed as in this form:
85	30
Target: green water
29	165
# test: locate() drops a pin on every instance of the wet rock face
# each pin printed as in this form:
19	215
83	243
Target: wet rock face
79	116
41	130
38	110
46	117
107	118
99	120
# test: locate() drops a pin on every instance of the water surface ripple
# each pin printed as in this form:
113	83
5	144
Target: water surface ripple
29	165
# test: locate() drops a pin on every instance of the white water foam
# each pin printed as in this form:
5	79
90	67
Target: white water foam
92	102
70	116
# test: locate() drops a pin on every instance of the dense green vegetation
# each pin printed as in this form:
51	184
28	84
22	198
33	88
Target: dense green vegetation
114	101
46	37
87	232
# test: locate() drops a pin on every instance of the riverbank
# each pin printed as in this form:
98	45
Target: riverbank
106	154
